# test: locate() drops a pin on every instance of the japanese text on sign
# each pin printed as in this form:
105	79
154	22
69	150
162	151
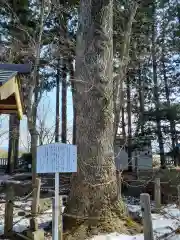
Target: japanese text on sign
56	157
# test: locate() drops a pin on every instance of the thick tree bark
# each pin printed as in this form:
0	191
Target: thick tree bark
94	187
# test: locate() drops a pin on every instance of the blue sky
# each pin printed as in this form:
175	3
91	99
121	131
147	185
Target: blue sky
47	107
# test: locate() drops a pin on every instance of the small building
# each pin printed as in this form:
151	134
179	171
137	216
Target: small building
141	154
11	100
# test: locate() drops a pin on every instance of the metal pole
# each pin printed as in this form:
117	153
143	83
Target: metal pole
56	214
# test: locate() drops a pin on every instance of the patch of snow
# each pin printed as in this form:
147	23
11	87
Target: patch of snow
163	223
22	223
22	174
4	178
12	181
134	208
117	236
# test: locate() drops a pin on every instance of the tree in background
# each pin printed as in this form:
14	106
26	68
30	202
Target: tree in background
26	28
162	59
13	148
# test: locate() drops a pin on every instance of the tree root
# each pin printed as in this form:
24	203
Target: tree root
116	220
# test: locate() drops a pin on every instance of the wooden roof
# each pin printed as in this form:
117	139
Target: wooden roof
10	93
6	75
19	68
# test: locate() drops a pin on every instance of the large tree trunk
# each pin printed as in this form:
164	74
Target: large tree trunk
94	187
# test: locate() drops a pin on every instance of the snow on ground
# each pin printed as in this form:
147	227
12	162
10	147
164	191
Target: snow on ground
4	178
117	236
163	223
9	179
166	222
21	223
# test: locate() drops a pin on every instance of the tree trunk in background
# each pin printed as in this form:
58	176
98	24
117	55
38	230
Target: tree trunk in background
118	103
64	102
94	187
13	148
71	71
17	136
124	59
34	136
123	123
57	102
167	91
156	90
129	124
34	140
141	99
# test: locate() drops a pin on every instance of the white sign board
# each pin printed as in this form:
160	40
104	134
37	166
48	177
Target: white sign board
56	157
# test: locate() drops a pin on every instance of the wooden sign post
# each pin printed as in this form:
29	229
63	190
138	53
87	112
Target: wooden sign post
56	158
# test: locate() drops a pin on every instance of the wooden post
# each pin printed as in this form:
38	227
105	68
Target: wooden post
178	190
146	216
35	205
60	218
157	193
8	221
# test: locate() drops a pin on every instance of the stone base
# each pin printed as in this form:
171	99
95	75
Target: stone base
36	235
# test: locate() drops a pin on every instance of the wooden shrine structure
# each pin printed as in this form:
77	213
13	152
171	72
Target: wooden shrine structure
11	97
